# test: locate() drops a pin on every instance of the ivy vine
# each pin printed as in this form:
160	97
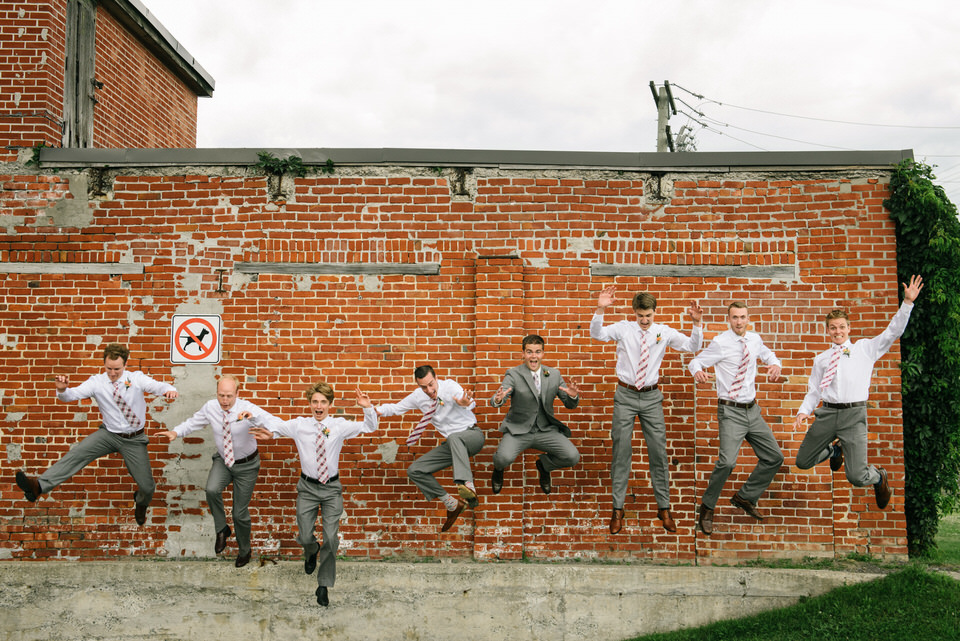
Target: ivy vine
928	243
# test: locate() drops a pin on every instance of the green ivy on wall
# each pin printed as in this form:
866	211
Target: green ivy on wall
928	243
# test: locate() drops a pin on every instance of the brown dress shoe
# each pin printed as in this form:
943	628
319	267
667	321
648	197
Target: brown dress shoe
616	520
746	506
30	486
139	511
221	543
882	489
452	516
544	478
706	519
664	515
242	560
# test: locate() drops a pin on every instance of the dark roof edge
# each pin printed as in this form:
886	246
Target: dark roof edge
135	16
477	158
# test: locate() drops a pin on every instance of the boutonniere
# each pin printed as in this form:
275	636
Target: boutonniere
846	352
325	430
439	401
127	383
546	373
659	337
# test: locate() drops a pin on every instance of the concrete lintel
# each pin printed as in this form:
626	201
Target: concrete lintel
370	269
723	162
71	268
776	272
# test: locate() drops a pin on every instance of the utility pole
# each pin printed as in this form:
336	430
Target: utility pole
664	100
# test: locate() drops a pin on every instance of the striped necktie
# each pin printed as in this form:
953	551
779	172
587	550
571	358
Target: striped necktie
124	408
227	442
736	388
644	361
832	366
322	473
422	425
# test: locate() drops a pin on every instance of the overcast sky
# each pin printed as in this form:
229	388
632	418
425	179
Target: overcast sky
559	75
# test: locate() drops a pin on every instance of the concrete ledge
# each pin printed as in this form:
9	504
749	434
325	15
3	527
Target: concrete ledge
161	600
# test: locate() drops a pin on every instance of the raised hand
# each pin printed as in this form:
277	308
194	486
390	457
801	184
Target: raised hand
464	400
695	312
501	394
571	389
62	382
606	296
363	399
911	291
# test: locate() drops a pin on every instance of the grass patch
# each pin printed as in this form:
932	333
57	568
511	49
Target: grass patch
911	603
947	552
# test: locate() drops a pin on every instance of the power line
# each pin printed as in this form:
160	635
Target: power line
776	113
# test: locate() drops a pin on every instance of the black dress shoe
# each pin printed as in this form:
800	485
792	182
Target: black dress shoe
544	478
139	511
30	486
221	543
310	563
836	458
496	483
322	596
242	560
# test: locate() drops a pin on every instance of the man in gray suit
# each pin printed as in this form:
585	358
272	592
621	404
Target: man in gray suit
530	423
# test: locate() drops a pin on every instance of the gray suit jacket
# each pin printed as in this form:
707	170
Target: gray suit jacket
525	404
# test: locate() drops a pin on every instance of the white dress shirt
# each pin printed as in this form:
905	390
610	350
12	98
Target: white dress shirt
449	418
628	336
851	383
132	387
304	431
724	354
211	414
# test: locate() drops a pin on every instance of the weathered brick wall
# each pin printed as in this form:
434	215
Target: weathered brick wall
31	74
515	251
142	104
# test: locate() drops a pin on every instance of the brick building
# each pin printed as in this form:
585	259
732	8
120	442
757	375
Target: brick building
80	73
400	257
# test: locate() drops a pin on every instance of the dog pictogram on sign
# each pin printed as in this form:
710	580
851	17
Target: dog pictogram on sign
195	339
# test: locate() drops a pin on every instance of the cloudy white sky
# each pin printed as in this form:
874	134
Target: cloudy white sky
563	75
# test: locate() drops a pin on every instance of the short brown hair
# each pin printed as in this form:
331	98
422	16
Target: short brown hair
320	388
837	313
532	339
737	304
644	300
114	351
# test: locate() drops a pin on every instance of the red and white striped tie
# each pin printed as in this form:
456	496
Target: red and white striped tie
227	442
644	360
831	372
736	388
124	408
422	425
322	473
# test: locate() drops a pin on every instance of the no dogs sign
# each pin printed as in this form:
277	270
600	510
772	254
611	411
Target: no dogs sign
195	339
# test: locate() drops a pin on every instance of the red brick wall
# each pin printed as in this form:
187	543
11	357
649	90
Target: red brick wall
514	258
141	105
31	74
